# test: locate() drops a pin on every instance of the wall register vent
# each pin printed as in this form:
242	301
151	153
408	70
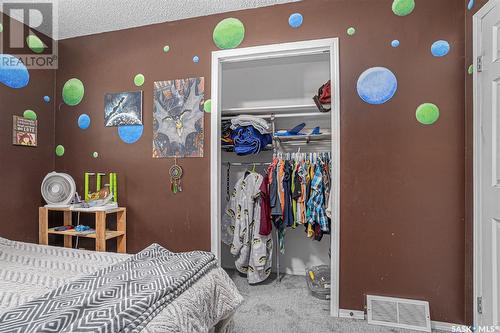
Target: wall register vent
398	312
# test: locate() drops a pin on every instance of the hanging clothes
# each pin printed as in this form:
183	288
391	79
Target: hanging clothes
252	250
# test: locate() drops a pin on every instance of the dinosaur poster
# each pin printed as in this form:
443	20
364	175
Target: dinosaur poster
178	118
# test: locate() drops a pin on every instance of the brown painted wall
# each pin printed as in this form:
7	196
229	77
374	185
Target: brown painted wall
403	184
23	168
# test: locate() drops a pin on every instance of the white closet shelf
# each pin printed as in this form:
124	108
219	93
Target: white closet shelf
277	111
303	138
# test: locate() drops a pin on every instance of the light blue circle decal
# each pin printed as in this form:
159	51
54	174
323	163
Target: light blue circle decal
46	99
196	59
377	85
295	20
440	48
84	121
395	43
130	133
13	73
470	4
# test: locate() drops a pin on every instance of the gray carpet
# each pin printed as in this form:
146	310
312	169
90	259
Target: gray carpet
288	307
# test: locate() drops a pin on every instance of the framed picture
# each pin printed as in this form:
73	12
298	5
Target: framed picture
124	108
178	126
24	132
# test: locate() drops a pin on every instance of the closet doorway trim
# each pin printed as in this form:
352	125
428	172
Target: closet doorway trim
331	46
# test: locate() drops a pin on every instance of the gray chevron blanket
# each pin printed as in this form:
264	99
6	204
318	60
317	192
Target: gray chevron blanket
123	297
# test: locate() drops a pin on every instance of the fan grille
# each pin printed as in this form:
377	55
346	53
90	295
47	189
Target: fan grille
58	189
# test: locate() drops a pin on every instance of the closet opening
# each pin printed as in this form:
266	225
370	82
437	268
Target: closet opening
270	90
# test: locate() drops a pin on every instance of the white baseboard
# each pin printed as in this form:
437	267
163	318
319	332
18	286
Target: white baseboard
442	326
360	315
353	314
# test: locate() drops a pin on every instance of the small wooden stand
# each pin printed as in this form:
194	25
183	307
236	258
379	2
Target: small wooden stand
100	235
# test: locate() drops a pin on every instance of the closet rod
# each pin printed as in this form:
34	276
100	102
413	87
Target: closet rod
247	163
282	115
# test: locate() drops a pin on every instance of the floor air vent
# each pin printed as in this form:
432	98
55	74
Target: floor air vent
399	312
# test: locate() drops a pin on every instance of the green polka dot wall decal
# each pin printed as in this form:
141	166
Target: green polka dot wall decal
73	91
60	150
427	113
470	70
35	44
1	27
166	48
139	80
229	33
403	7
207	106
29	114
95	154
351	31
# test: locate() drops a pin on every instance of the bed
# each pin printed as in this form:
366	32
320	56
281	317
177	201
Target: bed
30	271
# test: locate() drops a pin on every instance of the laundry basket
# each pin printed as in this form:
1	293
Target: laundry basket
318	280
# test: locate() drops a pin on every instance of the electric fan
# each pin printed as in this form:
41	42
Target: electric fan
58	189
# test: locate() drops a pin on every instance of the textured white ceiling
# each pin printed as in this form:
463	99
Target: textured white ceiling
86	17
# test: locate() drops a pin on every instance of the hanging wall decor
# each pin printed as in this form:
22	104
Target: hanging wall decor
24	131
470	4
35	43
427	113
295	20
175	173
123	108
30	114
73	91
470	70
207	106
139	80
229	33
130	133
196	59
377	85
395	43
440	48
84	121
403	7
60	150
13	73
178	118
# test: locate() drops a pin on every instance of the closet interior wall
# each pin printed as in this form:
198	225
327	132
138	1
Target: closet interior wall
282	87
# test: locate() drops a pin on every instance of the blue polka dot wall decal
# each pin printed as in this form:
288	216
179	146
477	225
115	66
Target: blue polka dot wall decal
395	43
13	73
196	59
295	20
377	85
46	99
84	121
440	48
470	4
130	133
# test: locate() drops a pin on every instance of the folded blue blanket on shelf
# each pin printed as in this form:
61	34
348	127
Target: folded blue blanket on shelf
247	140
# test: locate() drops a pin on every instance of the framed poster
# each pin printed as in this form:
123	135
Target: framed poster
24	132
178	126
124	108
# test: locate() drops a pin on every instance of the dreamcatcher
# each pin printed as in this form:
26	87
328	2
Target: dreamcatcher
175	173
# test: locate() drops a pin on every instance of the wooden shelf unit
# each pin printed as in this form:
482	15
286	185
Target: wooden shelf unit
101	234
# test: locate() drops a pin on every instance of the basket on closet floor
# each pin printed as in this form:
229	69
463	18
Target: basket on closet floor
319	281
